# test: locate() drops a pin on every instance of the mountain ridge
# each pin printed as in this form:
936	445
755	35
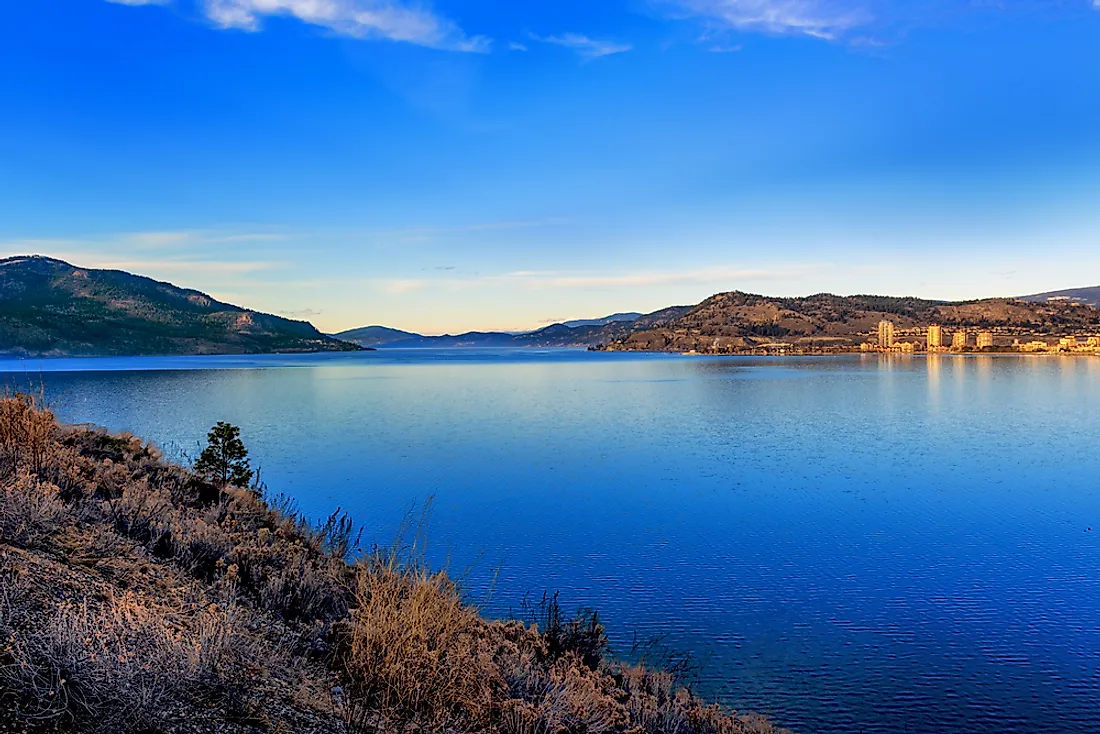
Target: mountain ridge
626	317
1089	295
49	307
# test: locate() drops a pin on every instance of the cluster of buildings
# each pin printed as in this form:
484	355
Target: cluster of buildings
935	341
1089	345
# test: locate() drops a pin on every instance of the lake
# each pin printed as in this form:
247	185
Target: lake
849	544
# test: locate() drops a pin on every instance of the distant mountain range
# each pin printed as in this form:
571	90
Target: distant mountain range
612	319
743	321
1090	296
49	307
580	333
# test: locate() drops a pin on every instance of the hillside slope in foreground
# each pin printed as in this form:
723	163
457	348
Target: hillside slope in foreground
136	596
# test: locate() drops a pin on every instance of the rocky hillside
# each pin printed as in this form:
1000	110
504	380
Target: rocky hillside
49	307
730	321
137	596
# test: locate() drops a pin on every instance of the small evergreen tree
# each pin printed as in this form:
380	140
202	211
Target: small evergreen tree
224	461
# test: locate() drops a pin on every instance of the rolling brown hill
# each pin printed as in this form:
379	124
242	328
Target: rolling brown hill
736	320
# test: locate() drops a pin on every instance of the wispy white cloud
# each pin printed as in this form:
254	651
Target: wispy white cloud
384	19
152	267
516	46
158	254
706	275
535	280
399	287
855	22
193	239
827	19
588	48
304	314
394	20
157	240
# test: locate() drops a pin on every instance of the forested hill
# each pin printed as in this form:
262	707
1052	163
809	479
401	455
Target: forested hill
743	320
51	308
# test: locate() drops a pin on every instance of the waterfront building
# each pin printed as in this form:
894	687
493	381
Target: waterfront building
935	337
886	334
985	339
958	340
1094	342
1068	342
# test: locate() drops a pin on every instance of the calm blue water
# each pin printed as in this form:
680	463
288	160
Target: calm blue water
852	545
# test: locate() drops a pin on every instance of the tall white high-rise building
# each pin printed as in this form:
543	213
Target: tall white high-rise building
886	334
935	336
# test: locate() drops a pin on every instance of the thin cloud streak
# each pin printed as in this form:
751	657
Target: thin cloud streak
551	280
181	256
849	21
141	241
825	19
155	268
638	280
365	19
587	48
401	287
391	20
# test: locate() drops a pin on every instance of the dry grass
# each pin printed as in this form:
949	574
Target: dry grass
413	655
119	664
136	596
31	511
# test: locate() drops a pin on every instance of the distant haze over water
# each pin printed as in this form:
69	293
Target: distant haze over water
856	544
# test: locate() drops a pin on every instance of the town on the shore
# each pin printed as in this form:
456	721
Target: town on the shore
934	340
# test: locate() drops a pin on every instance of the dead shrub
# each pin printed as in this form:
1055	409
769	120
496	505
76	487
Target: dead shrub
27	434
201	547
582	634
414	655
579	699
656	705
31	511
300	588
141	512
119	666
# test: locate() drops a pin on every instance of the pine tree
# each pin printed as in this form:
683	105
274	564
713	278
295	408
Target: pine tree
224	461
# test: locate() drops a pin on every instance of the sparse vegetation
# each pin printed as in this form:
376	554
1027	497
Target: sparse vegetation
138	596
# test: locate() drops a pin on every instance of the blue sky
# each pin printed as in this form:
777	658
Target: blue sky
473	164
